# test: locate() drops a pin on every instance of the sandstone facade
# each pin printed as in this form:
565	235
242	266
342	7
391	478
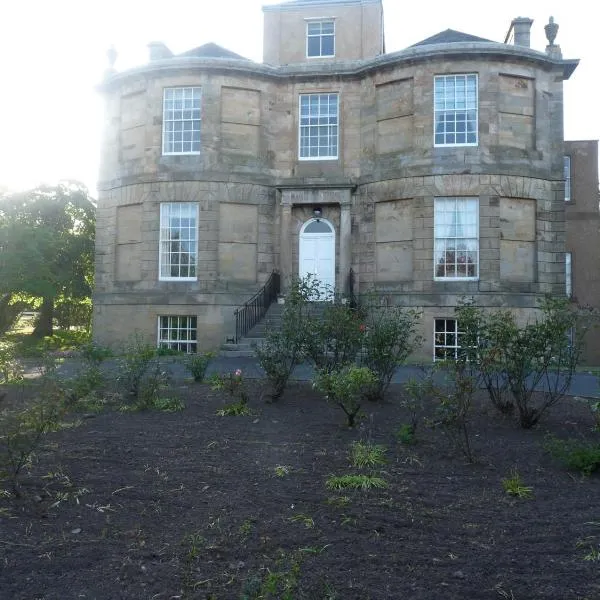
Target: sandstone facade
255	194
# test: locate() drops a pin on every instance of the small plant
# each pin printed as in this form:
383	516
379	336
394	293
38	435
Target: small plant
591	544
278	583
366	454
575	455
282	470
513	486
198	363
355	482
347	388
168	405
245	528
235	409
231	383
338	501
307	521
406	434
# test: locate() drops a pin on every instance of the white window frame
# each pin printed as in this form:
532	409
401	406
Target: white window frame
444	346
446	105
320	21
180	324
165	238
438	237
182	115
322	122
567	177
568	274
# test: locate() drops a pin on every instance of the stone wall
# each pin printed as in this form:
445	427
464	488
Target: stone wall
254	194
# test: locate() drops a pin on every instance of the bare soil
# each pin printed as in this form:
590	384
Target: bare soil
159	505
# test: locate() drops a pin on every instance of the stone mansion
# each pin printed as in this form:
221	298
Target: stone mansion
431	173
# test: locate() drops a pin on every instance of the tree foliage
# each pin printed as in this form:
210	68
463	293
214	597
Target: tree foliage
47	246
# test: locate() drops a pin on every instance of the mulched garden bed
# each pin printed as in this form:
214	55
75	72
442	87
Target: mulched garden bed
193	505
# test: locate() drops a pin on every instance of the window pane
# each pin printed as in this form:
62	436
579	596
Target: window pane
456	233
178	240
455	109
318	126
181	113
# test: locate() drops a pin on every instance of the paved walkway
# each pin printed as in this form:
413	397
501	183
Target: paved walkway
583	384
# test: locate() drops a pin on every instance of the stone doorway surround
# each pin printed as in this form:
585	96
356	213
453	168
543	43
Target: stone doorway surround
316	196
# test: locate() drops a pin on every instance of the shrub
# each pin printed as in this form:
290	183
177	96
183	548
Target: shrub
134	365
417	392
11	368
278	356
231	383
406	434
21	433
347	388
197	364
575	455
389	338
335	338
283	349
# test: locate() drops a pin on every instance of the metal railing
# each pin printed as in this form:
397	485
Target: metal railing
254	310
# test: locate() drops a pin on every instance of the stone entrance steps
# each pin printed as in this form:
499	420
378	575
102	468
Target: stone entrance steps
256	336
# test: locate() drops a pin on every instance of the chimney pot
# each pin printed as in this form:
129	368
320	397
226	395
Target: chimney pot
521	27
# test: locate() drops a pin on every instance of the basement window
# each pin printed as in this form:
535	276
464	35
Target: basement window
178	333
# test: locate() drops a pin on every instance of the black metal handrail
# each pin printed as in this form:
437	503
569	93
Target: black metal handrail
247	316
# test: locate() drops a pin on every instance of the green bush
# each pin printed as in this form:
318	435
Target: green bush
522	359
347	388
11	368
575	455
134	365
197	364
390	336
334	338
21	433
284	348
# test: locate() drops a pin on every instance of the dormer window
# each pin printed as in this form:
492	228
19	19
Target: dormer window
320	38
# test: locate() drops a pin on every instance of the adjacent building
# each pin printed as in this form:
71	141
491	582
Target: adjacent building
432	173
582	262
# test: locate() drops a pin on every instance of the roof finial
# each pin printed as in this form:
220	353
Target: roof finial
111	55
551	30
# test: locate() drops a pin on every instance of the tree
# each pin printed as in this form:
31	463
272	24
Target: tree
47	246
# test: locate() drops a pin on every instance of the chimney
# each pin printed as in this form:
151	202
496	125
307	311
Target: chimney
158	50
520	28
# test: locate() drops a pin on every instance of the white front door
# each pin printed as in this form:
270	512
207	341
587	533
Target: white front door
317	254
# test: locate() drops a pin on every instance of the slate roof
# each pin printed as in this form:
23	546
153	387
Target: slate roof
450	36
211	50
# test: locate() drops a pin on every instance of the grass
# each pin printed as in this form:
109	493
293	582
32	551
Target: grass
365	454
235	409
355	482
514	486
27	346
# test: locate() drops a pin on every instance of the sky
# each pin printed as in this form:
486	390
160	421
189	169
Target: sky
53	55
